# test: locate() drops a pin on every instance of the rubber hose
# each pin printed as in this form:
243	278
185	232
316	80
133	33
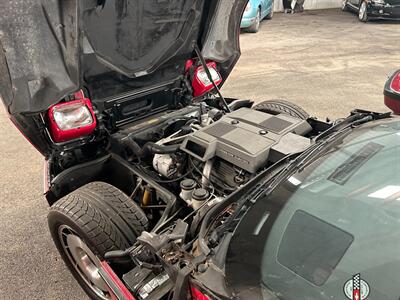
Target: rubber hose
160	149
133	146
149	148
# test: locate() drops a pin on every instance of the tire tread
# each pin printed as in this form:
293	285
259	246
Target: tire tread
104	235
282	106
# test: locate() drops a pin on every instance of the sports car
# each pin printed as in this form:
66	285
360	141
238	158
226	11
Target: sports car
160	187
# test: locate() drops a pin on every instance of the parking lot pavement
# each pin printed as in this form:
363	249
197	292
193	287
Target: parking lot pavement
29	265
326	61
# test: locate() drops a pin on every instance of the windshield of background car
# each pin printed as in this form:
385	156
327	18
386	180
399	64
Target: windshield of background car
335	219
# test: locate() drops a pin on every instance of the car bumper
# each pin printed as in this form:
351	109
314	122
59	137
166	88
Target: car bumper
384	12
247	22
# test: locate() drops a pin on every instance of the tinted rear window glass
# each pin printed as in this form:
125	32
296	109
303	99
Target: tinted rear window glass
312	248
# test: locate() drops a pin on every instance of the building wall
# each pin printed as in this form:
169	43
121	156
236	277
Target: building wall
312	4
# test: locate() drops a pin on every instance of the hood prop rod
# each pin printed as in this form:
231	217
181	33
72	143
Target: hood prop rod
204	64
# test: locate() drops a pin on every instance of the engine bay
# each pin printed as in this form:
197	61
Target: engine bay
185	160
199	153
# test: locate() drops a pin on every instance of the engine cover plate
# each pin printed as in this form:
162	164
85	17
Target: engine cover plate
248	138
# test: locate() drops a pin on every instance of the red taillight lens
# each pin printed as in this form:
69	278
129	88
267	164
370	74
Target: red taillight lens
71	120
197	294
392	93
72	115
395	84
201	83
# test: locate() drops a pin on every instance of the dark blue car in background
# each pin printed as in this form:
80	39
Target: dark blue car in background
373	9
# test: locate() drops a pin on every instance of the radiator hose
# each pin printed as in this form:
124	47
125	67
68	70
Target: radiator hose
148	148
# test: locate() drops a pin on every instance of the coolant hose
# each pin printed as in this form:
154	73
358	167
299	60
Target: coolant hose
160	149
149	148
133	146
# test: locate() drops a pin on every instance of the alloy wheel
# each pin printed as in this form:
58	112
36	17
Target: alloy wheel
344	5
362	12
258	18
83	260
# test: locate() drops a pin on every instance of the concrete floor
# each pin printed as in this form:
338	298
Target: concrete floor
326	61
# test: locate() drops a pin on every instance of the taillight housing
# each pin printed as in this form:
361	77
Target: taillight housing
201	83
392	93
71	120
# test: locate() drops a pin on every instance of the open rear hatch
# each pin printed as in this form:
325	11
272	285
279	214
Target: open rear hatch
127	55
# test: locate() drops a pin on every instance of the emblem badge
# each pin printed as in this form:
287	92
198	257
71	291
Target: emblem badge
356	288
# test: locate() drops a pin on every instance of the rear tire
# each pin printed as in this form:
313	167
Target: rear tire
275	107
89	222
256	26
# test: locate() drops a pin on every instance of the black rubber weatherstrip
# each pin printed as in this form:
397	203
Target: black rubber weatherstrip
347	169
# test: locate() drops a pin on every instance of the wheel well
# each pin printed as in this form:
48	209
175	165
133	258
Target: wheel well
79	175
110	169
